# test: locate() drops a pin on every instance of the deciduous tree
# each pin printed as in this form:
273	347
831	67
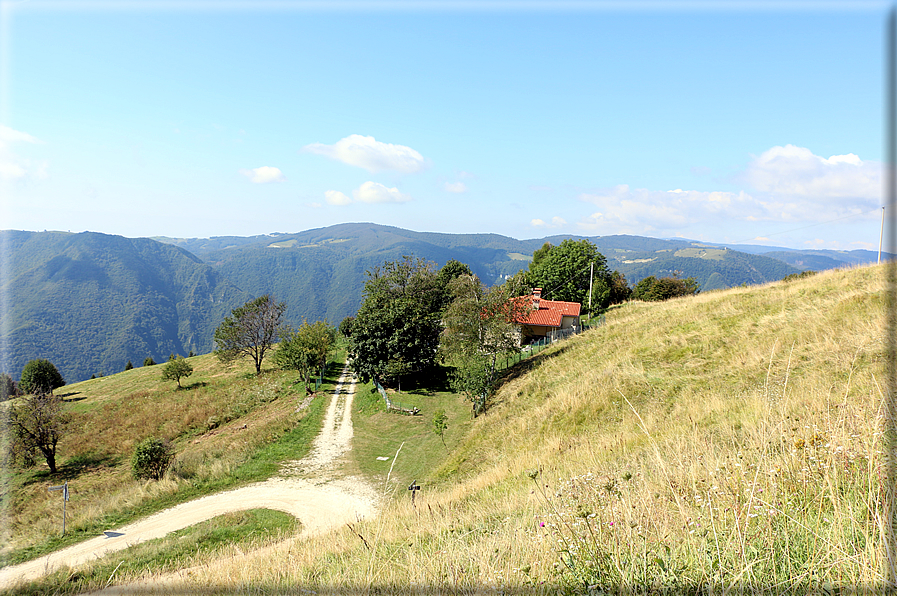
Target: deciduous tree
176	370
251	330
398	319
36	423
40	376
305	349
479	331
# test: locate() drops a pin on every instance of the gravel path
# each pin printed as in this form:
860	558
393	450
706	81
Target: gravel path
310	489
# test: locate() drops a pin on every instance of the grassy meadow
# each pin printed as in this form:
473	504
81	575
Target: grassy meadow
227	426
730	441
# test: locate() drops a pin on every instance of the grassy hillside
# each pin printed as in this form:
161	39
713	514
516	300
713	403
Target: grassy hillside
732	439
228	428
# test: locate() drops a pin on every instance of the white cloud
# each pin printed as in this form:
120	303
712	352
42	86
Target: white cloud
335	197
457	187
370	154
13	167
784	184
11	171
264	175
796	172
9	136
374	192
556	222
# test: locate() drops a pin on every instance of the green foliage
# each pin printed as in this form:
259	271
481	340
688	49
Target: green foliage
148	361
796	276
305	349
619	289
652	289
8	388
35	423
346	325
399	318
40	376
563	272
251	330
176	370
151	458
440	423
129	366
479	330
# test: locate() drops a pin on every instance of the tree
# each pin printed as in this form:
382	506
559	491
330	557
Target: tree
151	458
479	331
129	366
399	318
176	370
251	330
346	325
8	388
148	361
40	376
563	272
652	289
440	424
305	349
36	423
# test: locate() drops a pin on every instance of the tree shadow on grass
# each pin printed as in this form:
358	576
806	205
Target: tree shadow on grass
73	468
196	385
64	396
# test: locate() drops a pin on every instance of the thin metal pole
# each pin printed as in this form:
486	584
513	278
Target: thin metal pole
881	234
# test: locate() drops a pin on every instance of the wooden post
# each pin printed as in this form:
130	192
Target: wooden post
413	488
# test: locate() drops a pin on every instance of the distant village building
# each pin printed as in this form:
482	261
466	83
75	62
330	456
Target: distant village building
544	316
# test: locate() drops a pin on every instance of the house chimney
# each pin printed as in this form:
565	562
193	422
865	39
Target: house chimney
537	297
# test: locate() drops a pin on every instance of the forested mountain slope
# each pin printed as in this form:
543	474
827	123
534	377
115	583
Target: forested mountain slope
90	302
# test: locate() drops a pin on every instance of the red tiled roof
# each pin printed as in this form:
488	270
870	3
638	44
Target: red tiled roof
549	314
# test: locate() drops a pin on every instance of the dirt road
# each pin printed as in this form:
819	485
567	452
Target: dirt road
309	489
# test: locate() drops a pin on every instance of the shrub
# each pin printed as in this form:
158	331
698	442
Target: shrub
148	361
801	275
151	458
129	366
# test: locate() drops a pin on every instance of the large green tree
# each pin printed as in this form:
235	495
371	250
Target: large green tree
251	330
567	271
479	331
40	376
305	349
35	423
397	327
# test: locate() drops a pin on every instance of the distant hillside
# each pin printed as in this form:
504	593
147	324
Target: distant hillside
320	273
90	302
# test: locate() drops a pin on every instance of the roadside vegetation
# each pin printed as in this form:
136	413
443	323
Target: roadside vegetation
725	441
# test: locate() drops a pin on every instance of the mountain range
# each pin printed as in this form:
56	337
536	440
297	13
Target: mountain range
91	302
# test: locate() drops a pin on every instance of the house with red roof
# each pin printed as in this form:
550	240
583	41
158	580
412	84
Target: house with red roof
538	317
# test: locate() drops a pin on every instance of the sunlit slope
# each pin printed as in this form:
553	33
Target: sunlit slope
732	438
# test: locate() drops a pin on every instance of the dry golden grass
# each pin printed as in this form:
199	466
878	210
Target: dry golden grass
728	440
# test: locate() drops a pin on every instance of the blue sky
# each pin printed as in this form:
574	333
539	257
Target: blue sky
712	121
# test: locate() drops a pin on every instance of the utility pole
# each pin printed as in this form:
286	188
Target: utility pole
591	272
881	233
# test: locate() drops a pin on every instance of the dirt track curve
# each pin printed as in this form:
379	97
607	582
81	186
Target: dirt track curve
309	489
